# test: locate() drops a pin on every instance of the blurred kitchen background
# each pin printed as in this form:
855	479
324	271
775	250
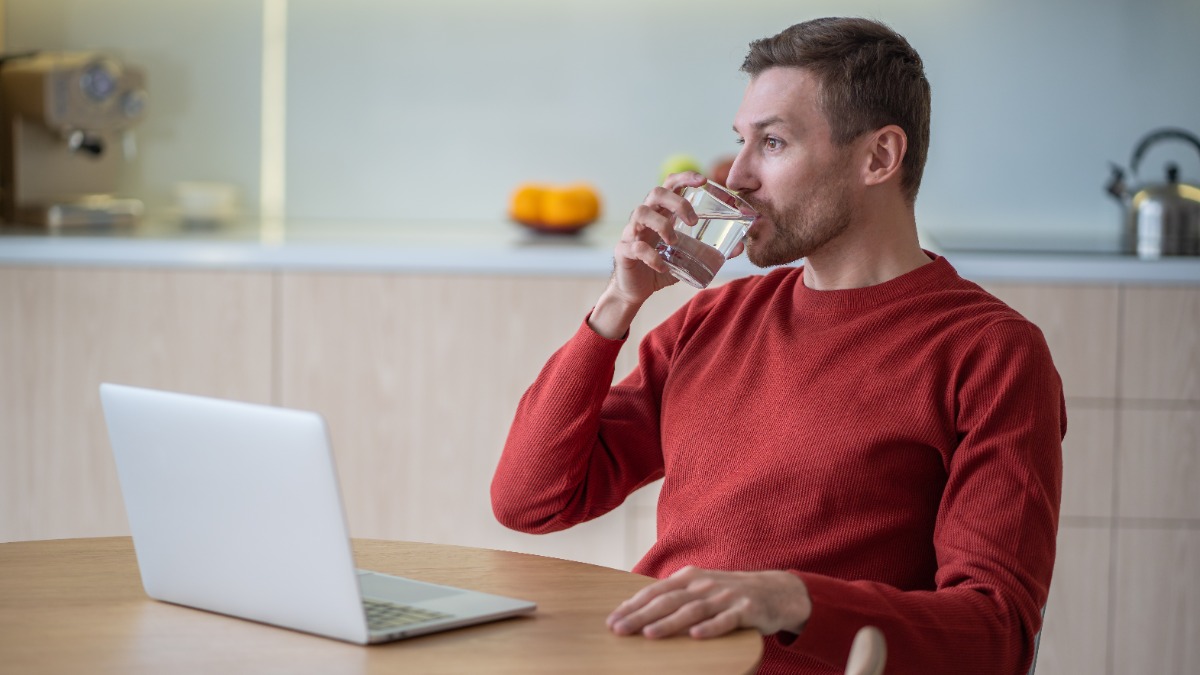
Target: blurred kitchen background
354	124
385	110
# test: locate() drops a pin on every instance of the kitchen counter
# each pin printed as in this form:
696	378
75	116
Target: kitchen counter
487	248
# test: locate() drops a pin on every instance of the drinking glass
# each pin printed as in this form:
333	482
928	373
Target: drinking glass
701	249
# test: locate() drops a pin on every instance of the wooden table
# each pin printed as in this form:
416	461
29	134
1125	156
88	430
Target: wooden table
77	605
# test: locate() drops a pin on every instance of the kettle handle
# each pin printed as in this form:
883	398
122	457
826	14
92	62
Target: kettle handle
1160	135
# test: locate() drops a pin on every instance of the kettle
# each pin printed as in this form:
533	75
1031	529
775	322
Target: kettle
1161	219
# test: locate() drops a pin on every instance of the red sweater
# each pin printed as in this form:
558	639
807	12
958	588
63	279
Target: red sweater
898	447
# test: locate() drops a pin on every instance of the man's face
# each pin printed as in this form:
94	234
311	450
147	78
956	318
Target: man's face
789	170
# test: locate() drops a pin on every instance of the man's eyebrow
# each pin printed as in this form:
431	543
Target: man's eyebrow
763	123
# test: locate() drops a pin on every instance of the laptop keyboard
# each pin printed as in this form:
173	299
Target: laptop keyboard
387	615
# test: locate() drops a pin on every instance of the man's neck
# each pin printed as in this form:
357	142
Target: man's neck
866	254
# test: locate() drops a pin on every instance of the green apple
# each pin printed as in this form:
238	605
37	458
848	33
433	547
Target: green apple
678	164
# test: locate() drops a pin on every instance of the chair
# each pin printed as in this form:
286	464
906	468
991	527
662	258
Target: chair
1037	642
868	653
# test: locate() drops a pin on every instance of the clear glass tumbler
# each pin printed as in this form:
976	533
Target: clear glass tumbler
701	249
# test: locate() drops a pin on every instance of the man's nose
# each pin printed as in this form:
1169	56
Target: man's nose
741	177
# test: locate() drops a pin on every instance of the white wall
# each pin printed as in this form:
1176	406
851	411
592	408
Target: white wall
401	110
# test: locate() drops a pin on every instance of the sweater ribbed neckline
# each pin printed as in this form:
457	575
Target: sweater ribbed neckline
937	274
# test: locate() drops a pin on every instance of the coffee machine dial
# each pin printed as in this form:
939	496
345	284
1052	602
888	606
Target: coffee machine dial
99	80
133	104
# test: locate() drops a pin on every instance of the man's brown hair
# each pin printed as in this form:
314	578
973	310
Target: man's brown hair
869	75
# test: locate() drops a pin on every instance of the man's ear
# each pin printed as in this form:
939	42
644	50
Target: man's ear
885	148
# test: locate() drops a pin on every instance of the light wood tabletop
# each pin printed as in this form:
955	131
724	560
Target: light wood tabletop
77	605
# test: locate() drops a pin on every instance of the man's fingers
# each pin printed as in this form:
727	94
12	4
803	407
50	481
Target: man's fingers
668	612
689	614
706	603
650	222
724	622
632	616
684	179
649	256
646	595
670	204
671	605
641	253
631	605
645	217
654	219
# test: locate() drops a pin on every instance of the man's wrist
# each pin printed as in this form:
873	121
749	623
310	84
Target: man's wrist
798	607
613	315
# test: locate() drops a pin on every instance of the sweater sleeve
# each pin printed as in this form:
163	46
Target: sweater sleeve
578	445
995	531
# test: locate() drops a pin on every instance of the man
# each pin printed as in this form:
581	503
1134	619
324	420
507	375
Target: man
867	440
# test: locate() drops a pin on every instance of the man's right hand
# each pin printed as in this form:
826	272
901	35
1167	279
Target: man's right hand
638	271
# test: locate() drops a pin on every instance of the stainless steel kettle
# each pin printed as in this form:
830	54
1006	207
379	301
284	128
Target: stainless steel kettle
1161	219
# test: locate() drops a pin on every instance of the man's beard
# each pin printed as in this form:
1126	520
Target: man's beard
802	229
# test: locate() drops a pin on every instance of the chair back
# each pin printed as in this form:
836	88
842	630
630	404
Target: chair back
868	653
1037	642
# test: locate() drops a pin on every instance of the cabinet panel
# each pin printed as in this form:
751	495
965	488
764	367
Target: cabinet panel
26	395
1157	603
198	332
1159	463
1160	344
1076	626
1088	461
419	377
1080	324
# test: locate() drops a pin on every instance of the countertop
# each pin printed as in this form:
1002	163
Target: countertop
496	247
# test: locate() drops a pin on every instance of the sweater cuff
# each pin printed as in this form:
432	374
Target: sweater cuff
587	357
826	636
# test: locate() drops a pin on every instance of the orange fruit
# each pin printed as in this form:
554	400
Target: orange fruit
589	201
550	206
526	203
570	206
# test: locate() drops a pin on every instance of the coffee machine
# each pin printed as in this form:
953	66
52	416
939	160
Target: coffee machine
65	132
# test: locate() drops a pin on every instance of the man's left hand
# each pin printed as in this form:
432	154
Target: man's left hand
707	604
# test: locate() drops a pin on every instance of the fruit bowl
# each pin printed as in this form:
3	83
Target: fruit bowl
541	228
550	209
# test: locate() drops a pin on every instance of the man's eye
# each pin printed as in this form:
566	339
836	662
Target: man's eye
773	143
739	140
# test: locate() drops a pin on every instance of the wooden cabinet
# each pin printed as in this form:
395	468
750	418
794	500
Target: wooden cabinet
1156	604
1125	588
1160	338
63	331
1075	633
419	376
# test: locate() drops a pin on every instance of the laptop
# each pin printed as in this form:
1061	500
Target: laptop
235	508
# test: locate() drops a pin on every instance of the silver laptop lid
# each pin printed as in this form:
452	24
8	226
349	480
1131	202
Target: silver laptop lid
235	508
